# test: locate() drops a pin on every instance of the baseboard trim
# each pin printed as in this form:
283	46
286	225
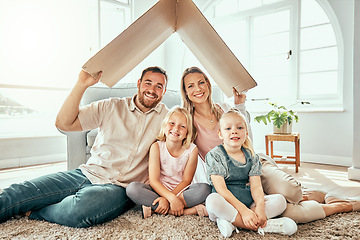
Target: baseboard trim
326	159
310	158
29	161
320	159
354	173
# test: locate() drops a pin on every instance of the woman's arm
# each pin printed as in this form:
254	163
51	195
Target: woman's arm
257	194
238	97
248	216
189	172
239	102
154	176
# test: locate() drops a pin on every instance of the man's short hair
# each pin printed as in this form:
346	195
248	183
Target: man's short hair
154	70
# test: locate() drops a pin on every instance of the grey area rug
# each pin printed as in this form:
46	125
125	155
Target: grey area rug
131	226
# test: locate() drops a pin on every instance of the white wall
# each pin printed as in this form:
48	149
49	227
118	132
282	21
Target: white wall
44	42
326	137
354	171
67	32
26	151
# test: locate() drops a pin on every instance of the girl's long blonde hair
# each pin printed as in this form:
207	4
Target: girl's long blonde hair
247	144
189	125
186	103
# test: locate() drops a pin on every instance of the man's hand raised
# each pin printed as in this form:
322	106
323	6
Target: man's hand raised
88	80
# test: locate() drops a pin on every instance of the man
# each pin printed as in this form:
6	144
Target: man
95	192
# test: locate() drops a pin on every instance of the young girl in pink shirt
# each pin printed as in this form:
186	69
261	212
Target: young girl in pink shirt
172	165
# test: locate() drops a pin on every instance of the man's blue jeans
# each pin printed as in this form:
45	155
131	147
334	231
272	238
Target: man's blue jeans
67	198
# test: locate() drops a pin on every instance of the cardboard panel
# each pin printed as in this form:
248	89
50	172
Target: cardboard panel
211	51
134	44
149	31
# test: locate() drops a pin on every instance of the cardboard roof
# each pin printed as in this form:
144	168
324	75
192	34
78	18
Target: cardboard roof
150	30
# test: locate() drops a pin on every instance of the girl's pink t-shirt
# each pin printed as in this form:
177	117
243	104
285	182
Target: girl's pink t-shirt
172	168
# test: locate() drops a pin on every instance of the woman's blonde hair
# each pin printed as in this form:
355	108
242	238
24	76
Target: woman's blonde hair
189	125
247	144
186	103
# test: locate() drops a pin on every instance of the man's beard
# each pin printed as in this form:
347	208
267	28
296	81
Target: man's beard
148	104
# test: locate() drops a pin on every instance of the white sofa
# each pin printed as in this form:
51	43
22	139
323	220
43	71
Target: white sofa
80	143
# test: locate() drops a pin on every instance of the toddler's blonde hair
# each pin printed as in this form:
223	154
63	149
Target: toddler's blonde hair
247	144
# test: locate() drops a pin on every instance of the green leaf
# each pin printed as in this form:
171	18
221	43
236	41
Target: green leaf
279	119
278	116
284	115
268	118
278	122
289	119
262	118
296	117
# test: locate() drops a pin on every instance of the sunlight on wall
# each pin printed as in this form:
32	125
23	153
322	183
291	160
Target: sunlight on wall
43	39
44	43
28	39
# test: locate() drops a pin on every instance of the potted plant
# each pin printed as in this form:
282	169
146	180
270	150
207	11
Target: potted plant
281	117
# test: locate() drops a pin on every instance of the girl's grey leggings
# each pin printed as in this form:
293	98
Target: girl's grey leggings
143	194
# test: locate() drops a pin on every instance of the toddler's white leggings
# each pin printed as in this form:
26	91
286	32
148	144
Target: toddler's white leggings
218	207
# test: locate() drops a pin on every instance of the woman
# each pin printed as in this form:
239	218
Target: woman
196	96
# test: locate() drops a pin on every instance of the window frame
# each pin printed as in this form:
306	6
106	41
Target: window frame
48	116
318	103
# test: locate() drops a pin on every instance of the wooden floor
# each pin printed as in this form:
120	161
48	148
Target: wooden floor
328	178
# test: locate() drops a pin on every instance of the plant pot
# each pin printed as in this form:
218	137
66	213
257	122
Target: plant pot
284	129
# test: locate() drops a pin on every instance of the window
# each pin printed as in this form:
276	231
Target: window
269	47
43	46
318	54
114	18
291	48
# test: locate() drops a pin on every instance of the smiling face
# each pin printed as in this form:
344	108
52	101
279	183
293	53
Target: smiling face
233	130
176	127
196	87
151	89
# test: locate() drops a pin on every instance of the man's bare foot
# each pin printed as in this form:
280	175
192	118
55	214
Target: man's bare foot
315	195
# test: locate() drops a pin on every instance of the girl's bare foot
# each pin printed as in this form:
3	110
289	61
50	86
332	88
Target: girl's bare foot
146	211
201	210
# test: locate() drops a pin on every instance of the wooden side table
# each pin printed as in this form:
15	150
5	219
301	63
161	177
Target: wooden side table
294	137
